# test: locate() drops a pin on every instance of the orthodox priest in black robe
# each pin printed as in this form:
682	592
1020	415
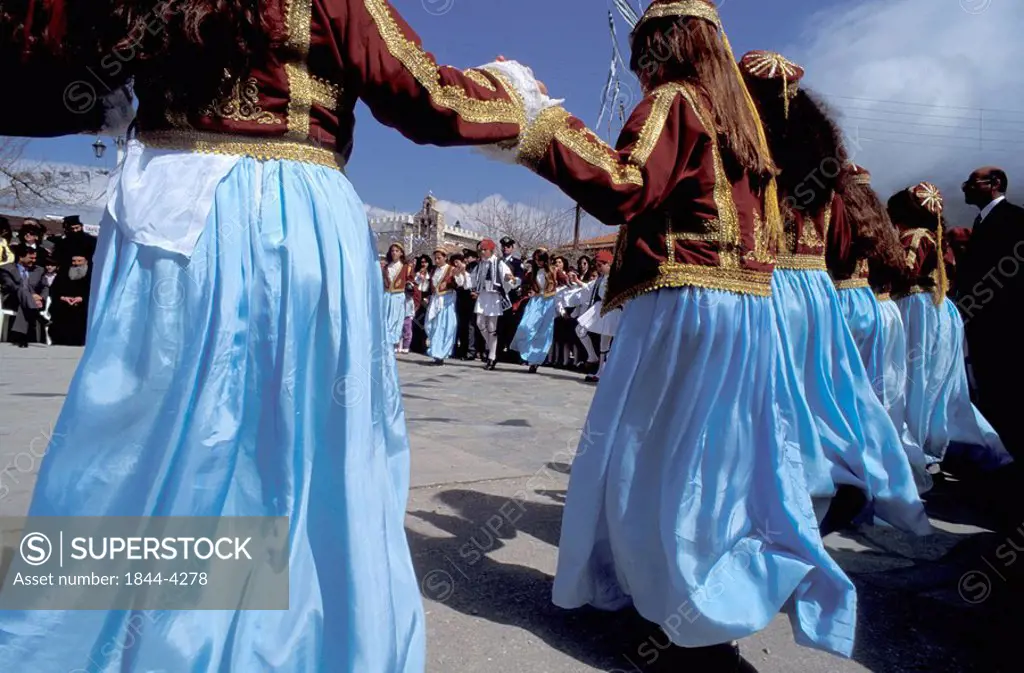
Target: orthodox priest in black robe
69	296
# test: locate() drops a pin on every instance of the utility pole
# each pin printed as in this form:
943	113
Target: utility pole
576	228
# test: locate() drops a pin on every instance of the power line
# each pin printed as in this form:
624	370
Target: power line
929	105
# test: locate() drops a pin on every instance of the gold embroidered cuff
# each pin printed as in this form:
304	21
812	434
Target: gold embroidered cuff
852	284
263	148
538	136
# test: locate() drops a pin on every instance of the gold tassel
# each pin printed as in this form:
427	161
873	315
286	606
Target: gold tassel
942	286
785	95
772	215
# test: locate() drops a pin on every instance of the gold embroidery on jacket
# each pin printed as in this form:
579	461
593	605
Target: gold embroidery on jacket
584	144
809	237
728	215
915	242
762	245
537	138
325	94
242	104
654	125
426	71
299	14
262	148
479	78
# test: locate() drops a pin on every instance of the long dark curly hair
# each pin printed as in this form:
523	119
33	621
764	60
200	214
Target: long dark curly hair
196	48
874	236
807	145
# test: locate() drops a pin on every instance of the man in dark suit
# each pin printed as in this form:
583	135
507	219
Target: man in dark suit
23	290
991	297
468	340
509	321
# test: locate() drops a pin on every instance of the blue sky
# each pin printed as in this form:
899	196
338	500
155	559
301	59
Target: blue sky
915	96
566	43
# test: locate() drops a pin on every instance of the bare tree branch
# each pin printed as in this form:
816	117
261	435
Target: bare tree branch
530	226
27	184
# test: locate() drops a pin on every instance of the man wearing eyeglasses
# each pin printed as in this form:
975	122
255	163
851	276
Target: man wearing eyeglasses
991	297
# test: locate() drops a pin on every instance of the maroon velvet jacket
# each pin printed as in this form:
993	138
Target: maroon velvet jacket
299	105
921	259
843	257
685	221
810	240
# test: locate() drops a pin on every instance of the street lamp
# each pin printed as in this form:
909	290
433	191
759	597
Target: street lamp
98	148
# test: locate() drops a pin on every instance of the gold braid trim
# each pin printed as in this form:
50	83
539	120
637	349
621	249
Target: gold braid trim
481	79
883	296
325	93
738	281
264	148
299	15
664	97
539	135
427	73
551	125
685	8
852	283
941	281
801	262
729	235
915	241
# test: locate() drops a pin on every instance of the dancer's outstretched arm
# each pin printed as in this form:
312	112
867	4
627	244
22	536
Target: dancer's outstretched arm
406	89
664	143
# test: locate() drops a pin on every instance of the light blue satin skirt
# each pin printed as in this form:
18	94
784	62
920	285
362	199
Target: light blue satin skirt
394	316
894	389
685	499
442	326
253	380
868	325
939	408
849	439
536	331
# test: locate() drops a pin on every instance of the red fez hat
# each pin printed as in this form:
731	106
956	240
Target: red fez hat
770	66
487	244
858	174
603	257
928	196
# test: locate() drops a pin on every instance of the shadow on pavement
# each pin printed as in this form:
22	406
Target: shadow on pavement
900	627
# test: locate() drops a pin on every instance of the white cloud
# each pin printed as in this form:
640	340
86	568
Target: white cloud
910	79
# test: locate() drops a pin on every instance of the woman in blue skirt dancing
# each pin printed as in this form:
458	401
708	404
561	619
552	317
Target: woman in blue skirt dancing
536	331
237	362
939	407
867	249
685	500
852	453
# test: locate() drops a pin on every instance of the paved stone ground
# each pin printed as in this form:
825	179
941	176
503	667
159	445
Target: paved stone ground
486	563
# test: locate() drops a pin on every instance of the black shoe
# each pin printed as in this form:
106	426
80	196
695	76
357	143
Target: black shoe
846	506
723	658
439	362
591	379
533	369
22	345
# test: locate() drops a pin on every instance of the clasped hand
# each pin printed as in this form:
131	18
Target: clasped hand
543	88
